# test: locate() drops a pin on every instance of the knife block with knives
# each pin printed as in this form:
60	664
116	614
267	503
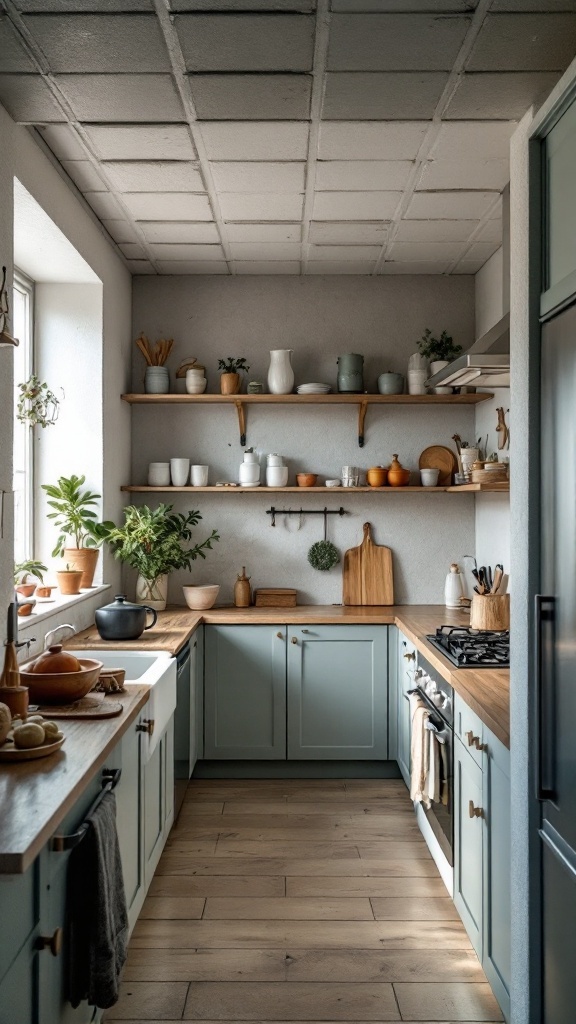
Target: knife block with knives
490	611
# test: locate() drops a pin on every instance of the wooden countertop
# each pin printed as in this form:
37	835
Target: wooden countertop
486	691
36	796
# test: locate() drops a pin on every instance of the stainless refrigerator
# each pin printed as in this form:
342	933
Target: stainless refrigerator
556	669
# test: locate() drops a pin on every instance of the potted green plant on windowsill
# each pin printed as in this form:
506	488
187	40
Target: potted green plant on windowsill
230	380
155	542
23	571
76	519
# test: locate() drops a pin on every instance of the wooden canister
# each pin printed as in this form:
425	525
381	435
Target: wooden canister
490	611
243	590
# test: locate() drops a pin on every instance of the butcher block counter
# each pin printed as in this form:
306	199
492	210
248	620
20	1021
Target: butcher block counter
486	691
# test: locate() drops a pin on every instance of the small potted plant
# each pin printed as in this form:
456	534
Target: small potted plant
37	405
155	543
22	572
440	351
76	519
69	580
230	379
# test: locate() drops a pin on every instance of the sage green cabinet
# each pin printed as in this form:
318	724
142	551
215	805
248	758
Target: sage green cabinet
158	801
496	959
468	843
128	794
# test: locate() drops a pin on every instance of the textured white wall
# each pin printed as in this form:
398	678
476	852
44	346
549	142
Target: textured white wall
320	318
489	294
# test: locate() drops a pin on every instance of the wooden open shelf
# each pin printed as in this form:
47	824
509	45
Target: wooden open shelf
361	401
464	489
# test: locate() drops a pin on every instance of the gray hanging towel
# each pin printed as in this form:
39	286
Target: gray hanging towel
97	919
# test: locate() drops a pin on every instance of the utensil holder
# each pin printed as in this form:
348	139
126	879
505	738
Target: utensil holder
490	611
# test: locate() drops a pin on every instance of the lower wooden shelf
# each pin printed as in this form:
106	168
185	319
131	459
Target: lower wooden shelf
464	489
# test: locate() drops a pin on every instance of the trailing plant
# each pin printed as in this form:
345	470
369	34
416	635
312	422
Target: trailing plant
154	541
29	568
37	405
74	514
438	348
231	365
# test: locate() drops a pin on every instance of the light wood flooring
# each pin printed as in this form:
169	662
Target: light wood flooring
300	901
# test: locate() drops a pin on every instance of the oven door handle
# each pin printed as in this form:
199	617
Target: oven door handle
440	734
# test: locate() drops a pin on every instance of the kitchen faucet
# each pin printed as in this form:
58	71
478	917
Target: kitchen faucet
52	633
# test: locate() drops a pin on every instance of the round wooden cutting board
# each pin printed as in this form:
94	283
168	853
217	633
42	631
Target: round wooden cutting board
438	456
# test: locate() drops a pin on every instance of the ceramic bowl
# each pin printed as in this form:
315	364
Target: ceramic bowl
61	687
201	596
306	479
333	483
196	385
429	477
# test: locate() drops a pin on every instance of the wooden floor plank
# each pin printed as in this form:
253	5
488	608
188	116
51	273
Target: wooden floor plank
223	885
386	887
307	909
414	908
147	1000
399	820
172	908
300	1001
288	848
343	808
392	827
418	864
455	1002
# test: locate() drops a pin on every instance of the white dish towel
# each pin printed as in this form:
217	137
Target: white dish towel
419	750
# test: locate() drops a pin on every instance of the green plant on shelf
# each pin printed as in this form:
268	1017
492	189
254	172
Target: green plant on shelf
435	349
231	365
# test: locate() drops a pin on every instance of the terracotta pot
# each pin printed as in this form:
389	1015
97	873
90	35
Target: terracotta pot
306	479
26	589
377	476
85	560
397	475
230	383
42	591
69	581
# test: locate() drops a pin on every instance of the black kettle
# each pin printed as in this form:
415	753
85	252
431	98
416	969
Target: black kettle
122	620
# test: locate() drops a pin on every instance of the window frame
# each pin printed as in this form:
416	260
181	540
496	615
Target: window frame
25	285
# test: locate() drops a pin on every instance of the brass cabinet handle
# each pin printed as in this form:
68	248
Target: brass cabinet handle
293	639
280	636
410	656
51	942
474	741
474	812
305	630
146	725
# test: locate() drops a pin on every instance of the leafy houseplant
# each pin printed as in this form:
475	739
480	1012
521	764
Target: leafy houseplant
230	380
155	542
22	572
76	519
37	405
436	349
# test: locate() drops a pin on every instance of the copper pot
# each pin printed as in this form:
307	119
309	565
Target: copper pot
377	476
397	475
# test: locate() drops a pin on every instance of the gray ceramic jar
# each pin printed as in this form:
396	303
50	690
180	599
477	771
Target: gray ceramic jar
156	380
391	383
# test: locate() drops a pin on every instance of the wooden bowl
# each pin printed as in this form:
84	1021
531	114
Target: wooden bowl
202	596
306	479
60	687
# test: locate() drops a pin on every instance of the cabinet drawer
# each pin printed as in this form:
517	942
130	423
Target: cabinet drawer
469	729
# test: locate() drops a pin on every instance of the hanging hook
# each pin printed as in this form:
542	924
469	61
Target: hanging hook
325	521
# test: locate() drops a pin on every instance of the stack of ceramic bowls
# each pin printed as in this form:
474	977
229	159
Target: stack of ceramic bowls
276	471
195	381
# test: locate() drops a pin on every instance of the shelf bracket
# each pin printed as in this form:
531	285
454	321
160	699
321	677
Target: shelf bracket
361	417
241	410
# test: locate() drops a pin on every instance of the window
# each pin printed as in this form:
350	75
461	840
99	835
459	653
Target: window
23	470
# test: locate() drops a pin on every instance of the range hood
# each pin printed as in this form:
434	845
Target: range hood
486	364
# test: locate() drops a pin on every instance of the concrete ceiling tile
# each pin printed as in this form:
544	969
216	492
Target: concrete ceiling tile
192	267
352	253
265	267
122	97
490	232
80	6
263	251
241	206
395	42
154	176
167	206
14	56
259	177
63	141
500	96
449	205
141	141
349	233
468	267
243	5
140	267
246	42
104	205
398	96
175	231
435	230
370	140
362	175
413	268
424	252
84	175
187	252
524	42
469	154
269	140
99	43
465	173
28	100
246	232
251	97
132	251
386	6
121	230
355	205
481	251
328	267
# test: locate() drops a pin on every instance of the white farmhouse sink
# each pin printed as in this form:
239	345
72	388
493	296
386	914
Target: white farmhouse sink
156	669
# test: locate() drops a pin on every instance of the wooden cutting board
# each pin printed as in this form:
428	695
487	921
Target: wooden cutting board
367	576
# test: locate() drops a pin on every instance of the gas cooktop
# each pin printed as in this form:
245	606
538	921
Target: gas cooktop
472	648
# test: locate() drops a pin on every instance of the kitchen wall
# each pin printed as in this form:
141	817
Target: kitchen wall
319	317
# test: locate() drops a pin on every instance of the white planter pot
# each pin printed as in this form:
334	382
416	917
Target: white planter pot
436	365
280	373
154	594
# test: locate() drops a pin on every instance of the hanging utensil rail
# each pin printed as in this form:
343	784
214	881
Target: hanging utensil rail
304	512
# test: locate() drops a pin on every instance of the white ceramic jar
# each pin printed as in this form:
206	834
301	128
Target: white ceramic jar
276	476
274	460
179	470
280	373
249	472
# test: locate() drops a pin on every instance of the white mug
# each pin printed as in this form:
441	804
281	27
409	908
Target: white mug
429	477
159	474
179	469
199	476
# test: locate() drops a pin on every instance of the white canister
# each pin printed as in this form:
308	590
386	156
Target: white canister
453	589
276	476
159	474
199	476
179	470
429	477
274	460
280	373
417	382
249	472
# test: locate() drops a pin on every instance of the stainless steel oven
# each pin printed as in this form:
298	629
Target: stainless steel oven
438	696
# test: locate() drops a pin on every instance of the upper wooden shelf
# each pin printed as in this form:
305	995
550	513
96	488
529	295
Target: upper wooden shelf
362	401
464	489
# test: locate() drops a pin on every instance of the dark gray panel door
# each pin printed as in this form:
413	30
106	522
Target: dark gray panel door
559	909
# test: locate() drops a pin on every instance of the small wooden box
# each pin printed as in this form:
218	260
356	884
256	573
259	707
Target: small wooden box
490	611
275	597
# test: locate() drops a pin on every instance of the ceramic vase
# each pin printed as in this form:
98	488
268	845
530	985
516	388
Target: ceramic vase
154	593
280	373
156	380
249	472
350	373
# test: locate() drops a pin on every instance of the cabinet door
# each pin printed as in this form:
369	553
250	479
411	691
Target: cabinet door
468	843
129	818
338	693
19	1001
404	736
245	692
497	872
153	811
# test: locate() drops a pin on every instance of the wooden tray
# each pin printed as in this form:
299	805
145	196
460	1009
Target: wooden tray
87	707
8	752
438	456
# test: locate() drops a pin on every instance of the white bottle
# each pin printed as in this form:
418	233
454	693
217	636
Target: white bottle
453	589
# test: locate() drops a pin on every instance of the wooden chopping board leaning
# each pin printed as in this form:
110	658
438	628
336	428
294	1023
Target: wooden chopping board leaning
367	575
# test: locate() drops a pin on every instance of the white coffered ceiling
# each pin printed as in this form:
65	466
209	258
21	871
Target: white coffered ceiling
286	136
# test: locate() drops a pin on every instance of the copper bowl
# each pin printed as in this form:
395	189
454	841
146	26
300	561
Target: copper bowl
61	687
306	479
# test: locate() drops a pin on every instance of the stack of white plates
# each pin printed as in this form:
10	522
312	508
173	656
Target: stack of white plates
313	389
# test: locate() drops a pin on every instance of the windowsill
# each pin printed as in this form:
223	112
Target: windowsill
46	609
